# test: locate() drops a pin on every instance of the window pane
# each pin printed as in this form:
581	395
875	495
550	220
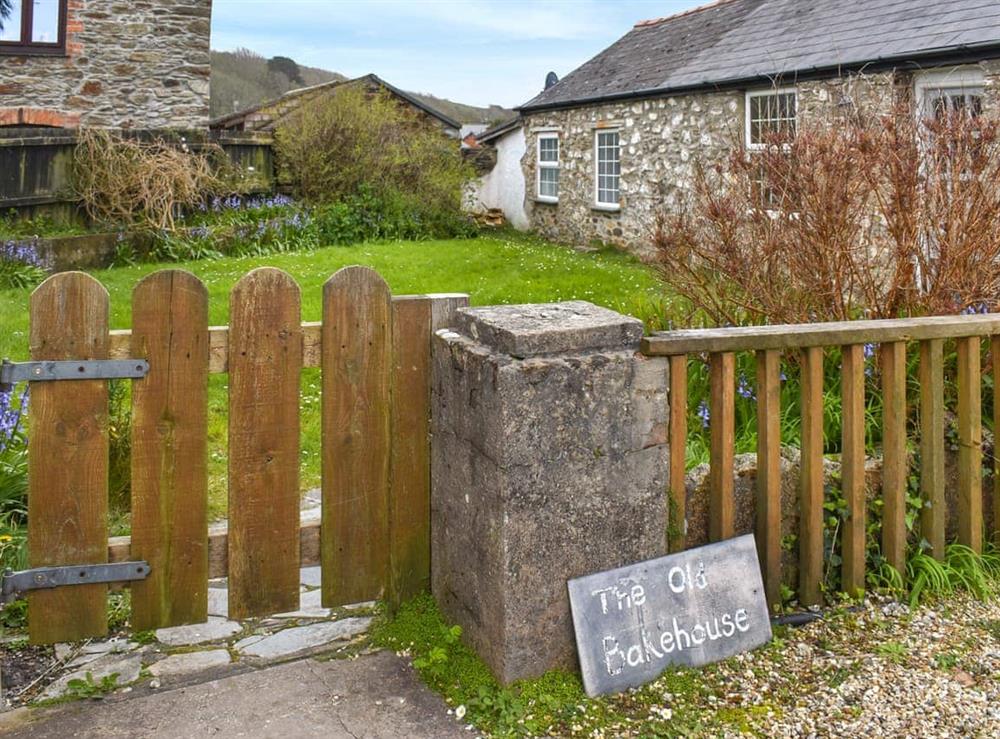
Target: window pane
548	149
771	114
608	167
548	182
45	22
10	22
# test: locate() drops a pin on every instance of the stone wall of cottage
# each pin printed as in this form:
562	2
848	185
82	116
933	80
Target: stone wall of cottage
663	138
140	64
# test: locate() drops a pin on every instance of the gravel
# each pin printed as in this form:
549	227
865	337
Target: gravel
877	671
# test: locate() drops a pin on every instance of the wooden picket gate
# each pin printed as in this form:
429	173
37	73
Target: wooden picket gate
373	537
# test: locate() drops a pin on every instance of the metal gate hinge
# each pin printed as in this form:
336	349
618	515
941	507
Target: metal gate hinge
15	584
12	373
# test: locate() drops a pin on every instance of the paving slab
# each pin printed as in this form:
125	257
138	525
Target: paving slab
127	668
303	638
374	696
189	663
184	636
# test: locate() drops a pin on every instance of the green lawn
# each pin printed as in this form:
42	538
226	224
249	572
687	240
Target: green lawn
497	269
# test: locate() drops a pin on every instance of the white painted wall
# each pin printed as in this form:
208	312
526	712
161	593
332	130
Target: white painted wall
503	188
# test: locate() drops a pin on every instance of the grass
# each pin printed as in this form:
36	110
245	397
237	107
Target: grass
502	268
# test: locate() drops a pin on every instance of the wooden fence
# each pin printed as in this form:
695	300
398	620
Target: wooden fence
373	537
768	343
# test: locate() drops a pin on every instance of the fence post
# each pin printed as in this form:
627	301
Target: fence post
68	458
549	461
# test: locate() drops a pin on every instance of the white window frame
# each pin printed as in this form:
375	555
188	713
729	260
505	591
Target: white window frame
598	204
556	165
750	94
970	80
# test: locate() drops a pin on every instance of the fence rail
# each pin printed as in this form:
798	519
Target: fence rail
374	354
810	340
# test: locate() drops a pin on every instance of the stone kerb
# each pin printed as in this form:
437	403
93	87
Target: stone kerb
549	461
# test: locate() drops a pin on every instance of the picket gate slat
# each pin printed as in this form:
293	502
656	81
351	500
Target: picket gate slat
677	432
932	511
853	467
410	472
169	450
970	444
68	458
768	508
722	420
894	466
811	482
357	372
265	363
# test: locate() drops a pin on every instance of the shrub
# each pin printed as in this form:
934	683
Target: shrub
121	180
863	216
356	145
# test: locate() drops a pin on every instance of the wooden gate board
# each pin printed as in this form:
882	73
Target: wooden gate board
169	450
357	372
265	364
68	458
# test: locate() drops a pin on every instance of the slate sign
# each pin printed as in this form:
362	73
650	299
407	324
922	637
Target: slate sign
692	608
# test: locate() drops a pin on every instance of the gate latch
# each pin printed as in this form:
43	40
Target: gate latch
12	373
15	584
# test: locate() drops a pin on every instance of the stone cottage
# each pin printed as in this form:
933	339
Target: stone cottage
139	65
616	141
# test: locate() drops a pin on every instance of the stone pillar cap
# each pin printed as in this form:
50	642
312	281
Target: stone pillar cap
549	328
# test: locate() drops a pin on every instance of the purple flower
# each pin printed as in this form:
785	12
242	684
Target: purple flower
10	415
703	413
744	389
24	252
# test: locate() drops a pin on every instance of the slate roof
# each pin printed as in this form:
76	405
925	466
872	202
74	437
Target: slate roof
733	42
290	100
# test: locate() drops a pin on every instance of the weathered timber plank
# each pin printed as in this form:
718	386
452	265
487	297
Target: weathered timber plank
797	336
170	449
894	464
811	479
722	378
68	458
357	372
853	467
445	305
995	360
410	472
970	444
677	431
265	362
120	547
932	511
768	522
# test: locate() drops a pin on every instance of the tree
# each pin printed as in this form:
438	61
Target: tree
6	10
288	67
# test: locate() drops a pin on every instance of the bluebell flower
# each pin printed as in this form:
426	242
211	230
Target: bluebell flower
744	389
703	413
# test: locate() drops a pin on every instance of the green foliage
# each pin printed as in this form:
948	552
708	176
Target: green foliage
961	569
88	687
894	651
13	226
362	143
120	445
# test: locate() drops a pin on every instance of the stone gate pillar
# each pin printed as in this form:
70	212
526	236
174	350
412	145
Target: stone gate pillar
549	461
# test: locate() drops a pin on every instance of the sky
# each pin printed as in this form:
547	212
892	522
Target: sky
471	51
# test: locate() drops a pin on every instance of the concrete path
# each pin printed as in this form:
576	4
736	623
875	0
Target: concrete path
373	696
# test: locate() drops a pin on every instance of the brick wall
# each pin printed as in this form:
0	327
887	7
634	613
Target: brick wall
137	64
662	139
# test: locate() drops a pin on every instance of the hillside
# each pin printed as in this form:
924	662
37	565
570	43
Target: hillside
243	78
